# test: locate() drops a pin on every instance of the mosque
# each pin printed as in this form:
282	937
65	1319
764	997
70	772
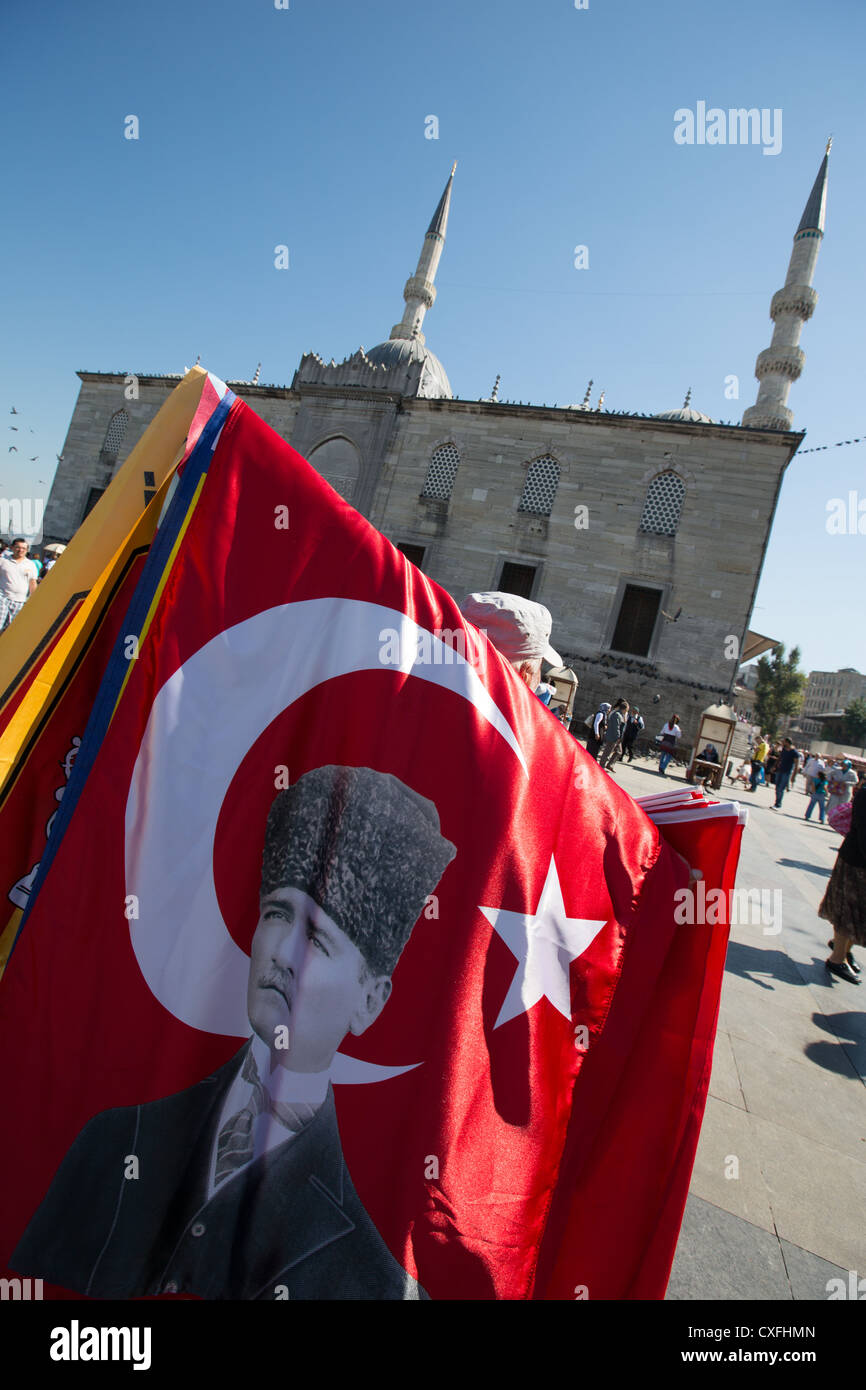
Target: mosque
644	536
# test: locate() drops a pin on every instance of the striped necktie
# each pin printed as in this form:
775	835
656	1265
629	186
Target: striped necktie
235	1143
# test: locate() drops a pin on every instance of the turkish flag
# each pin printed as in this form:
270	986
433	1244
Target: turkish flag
348	971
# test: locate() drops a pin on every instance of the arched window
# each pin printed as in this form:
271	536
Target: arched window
339	463
539	490
114	434
441	473
664	502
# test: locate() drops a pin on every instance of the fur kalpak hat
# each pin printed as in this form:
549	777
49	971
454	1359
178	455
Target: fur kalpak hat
365	846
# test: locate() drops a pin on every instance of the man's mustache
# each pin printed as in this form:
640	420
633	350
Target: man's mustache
275	979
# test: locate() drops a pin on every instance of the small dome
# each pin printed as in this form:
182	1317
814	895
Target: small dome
686	412
694	417
399	352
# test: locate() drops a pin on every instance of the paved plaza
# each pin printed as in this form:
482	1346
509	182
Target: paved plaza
787	1096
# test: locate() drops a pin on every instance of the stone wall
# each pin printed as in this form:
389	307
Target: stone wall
706	574
709	569
611	681
83	465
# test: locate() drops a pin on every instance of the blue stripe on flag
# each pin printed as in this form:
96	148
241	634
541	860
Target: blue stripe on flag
115	672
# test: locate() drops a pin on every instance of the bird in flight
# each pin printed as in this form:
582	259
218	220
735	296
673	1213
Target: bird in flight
13	411
13	448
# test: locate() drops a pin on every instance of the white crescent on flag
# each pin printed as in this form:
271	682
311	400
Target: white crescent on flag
202	723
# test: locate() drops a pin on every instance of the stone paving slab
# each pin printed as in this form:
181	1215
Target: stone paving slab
721	1256
725	1080
815	1104
787	1033
808	1274
817	1194
729	1145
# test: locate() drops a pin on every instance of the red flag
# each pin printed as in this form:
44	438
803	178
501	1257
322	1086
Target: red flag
346	959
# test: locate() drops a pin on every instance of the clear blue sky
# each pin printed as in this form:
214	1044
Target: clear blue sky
306	127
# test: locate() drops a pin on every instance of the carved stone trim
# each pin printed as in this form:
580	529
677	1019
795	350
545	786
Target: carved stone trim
781	361
794	299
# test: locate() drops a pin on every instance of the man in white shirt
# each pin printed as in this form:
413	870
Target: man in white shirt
18	577
810	772
241	1189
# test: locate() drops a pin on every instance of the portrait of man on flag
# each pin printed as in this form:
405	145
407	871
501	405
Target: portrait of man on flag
237	1187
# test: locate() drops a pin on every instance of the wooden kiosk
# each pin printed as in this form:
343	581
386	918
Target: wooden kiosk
717	726
564	682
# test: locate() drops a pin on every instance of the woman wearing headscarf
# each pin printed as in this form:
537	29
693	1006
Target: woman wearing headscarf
842	781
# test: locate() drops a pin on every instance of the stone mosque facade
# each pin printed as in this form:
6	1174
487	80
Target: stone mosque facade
644	536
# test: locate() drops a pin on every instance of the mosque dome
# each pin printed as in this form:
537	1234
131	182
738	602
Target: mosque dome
686	412
399	352
694	417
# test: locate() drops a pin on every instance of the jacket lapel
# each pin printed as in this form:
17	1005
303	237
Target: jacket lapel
289	1203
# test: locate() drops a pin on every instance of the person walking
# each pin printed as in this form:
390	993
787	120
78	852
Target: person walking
759	757
840	785
844	902
51	554
598	729
811	768
789	760
818	797
771	764
613	736
670	735
17	582
633	726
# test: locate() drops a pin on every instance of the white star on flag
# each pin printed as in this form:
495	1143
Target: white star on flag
545	943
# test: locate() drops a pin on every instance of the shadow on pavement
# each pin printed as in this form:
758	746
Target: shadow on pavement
848	1029
801	864
849	1026
749	961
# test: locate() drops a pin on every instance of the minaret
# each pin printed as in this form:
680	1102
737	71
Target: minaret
782	362
419	292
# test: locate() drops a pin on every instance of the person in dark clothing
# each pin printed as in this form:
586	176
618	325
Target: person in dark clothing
598	730
709	755
789	760
771	765
613	735
633	727
844	902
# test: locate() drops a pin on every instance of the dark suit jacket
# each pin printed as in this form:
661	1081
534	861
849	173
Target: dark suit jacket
290	1224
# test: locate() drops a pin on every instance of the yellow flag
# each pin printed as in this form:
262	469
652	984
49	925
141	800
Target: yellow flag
53	655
